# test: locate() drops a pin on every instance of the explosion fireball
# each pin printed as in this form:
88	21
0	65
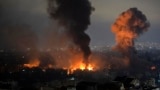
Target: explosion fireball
127	27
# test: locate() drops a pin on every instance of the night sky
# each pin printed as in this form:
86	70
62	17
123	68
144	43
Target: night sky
33	14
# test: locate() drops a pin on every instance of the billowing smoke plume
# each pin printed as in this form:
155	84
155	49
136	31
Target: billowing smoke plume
128	26
74	16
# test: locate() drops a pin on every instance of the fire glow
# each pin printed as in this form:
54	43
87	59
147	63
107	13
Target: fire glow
80	66
77	65
33	63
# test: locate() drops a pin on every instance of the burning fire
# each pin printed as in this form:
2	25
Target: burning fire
83	67
76	66
90	67
76	63
80	66
32	63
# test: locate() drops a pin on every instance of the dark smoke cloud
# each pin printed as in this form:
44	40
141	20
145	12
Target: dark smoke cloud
74	16
128	26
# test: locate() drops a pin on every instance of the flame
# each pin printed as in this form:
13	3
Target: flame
90	67
85	67
32	63
80	66
76	62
